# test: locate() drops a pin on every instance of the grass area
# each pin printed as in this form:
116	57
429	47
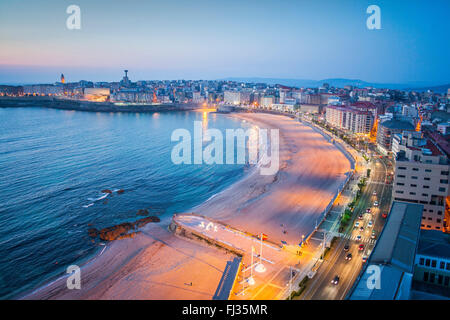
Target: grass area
325	252
302	287
348	213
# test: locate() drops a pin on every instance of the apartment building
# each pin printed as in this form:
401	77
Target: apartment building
232	97
387	130
422	176
348	118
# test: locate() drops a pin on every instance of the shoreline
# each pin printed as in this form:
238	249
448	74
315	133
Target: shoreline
243	205
90	106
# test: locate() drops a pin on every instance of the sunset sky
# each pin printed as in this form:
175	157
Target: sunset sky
175	39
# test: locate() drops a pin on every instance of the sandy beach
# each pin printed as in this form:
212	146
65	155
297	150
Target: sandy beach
158	265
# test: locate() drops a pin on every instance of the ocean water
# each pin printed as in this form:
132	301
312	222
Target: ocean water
54	164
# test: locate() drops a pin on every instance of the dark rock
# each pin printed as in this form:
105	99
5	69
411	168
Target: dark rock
93	232
115	232
121	231
142	212
142	222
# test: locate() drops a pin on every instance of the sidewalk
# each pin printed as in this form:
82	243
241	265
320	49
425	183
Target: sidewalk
330	224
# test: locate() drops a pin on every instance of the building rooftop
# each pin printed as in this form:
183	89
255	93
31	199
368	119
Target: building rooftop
394	254
349	109
398	241
434	243
397	124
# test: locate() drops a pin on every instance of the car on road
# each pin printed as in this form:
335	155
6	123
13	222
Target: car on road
361	228
370	224
357	224
364	258
368	210
375	204
361	247
374	234
335	280
346	247
384	215
348	257
374	192
360	217
358	238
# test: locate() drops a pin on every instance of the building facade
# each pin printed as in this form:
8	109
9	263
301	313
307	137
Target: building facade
422	176
386	131
432	263
347	118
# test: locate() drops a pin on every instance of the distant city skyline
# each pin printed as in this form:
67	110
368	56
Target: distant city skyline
214	40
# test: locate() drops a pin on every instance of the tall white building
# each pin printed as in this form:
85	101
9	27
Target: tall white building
232	97
345	118
267	101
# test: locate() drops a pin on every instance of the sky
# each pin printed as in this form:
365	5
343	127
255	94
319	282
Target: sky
197	39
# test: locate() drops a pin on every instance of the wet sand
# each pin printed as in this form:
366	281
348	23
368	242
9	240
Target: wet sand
158	265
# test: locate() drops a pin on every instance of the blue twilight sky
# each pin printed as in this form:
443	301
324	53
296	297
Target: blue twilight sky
182	39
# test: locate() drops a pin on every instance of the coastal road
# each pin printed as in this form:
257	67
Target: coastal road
320	287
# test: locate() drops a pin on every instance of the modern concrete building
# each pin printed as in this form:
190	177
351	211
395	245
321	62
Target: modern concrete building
444	128
386	131
232	97
283	107
422	176
432	263
267	101
310	108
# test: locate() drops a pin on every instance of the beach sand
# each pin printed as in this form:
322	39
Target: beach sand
158	265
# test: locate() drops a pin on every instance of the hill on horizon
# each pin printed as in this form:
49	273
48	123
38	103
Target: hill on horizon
342	82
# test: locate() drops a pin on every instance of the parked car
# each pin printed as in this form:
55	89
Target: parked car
374	234
364	258
384	215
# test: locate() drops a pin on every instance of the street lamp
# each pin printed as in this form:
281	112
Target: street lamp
260	267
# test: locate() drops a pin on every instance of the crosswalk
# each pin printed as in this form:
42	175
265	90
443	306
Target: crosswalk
354	237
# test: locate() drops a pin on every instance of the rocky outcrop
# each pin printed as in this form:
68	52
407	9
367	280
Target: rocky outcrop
122	230
142	212
93	233
142	222
115	232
